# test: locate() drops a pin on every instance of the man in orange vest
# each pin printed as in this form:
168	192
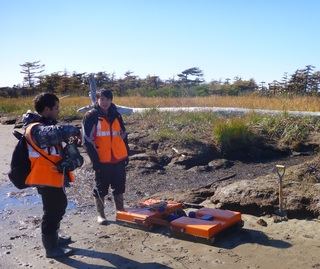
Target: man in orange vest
105	140
45	139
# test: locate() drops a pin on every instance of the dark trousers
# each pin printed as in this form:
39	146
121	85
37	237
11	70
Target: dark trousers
110	175
54	202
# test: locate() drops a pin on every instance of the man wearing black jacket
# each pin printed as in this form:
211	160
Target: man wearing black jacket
46	135
105	140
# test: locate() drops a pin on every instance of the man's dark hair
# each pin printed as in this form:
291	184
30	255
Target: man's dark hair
106	93
43	100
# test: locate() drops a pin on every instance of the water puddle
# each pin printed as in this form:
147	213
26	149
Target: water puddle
12	197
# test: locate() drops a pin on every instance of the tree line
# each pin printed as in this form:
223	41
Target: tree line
189	83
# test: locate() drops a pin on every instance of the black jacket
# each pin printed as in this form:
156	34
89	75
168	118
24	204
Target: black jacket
48	133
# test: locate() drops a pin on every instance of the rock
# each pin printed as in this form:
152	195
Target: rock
8	120
262	222
220	163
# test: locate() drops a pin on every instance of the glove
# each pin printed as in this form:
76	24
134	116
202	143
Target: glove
96	166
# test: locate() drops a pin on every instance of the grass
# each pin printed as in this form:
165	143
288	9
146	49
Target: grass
232	133
288	129
188	127
69	105
226	132
179	126
311	104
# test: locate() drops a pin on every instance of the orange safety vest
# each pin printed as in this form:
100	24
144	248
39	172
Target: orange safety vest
44	172
109	142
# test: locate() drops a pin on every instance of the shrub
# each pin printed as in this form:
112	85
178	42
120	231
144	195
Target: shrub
232	134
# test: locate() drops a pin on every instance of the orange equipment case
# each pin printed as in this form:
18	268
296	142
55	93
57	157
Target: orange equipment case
151	212
168	206
204	225
207	223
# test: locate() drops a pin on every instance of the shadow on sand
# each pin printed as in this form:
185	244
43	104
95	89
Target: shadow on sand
110	260
247	236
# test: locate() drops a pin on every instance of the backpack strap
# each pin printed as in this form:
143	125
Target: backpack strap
20	135
40	152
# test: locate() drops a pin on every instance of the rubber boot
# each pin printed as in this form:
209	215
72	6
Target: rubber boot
63	240
118	200
50	243
101	218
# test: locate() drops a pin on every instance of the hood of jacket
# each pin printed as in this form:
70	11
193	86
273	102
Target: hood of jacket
31	117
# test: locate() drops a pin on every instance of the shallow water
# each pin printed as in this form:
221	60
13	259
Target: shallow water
13	197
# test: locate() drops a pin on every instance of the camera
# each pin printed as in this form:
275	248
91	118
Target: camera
71	158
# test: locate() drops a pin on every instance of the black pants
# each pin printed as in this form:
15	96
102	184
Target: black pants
54	202
110	175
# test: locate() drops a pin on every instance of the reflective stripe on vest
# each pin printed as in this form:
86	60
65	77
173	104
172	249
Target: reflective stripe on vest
44	172
35	154
105	133
109	141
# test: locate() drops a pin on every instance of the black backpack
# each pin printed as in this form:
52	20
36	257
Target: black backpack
20	165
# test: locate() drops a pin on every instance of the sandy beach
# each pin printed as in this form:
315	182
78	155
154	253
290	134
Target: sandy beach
287	244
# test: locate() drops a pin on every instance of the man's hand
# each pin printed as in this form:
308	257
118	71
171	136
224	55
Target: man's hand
78	140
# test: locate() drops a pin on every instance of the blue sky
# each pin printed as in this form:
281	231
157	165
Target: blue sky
259	39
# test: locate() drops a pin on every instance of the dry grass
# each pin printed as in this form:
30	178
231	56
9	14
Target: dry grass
69	105
253	102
